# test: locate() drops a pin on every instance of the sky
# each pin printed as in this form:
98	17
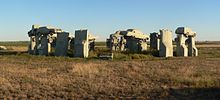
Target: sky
104	17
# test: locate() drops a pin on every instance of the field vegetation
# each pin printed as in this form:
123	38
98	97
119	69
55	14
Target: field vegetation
129	76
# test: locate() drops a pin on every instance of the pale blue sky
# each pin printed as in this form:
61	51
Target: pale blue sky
103	17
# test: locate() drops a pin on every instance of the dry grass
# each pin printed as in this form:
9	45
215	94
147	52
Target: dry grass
17	48
25	77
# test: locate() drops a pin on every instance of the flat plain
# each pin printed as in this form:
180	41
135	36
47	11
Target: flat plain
128	76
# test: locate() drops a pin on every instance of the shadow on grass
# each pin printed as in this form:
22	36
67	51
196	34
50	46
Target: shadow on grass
187	94
171	94
3	52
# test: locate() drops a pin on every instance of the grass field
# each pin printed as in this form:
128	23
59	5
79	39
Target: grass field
129	76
